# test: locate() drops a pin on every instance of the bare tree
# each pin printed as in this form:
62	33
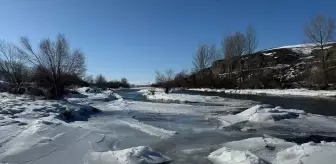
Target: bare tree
228	52
202	59
239	44
183	74
165	79
89	79
214	55
234	46
240	50
12	64
124	80
160	77
100	81
169	75
321	30
55	62
251	40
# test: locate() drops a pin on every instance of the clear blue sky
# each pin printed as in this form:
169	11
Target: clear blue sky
133	38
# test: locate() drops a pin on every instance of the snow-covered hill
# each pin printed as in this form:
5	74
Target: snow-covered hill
305	49
292	66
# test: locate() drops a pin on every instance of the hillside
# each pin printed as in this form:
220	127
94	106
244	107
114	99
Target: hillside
291	66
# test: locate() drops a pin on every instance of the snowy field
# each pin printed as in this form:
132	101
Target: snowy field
101	127
274	92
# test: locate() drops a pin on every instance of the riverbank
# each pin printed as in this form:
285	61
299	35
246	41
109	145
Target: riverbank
274	92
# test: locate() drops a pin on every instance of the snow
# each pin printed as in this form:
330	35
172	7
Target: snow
43	142
176	97
135	155
82	129
75	112
259	150
233	156
92	94
308	153
269	54
160	95
264	150
274	92
260	113
302	48
34	131
152	130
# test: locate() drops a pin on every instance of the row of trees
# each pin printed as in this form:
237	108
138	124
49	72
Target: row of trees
235	50
101	82
50	68
235	45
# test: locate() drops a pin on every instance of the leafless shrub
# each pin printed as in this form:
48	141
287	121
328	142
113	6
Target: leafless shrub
101	81
12	65
54	62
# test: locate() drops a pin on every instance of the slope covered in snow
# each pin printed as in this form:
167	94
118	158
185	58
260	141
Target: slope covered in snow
302	48
274	92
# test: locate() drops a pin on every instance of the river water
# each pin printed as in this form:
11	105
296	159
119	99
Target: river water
322	106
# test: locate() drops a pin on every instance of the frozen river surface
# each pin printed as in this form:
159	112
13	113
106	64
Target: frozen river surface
136	126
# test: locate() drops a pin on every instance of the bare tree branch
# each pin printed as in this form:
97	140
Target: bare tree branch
321	30
251	40
202	59
55	60
12	65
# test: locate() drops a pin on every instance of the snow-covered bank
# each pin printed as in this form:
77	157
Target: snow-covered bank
274	92
50	131
281	122
157	94
25	109
87	95
264	150
44	142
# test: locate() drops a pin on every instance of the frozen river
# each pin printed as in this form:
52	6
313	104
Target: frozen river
177	127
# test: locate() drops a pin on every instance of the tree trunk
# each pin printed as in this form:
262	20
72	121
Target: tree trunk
324	67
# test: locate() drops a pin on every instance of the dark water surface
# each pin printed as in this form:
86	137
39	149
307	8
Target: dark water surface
311	105
322	106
